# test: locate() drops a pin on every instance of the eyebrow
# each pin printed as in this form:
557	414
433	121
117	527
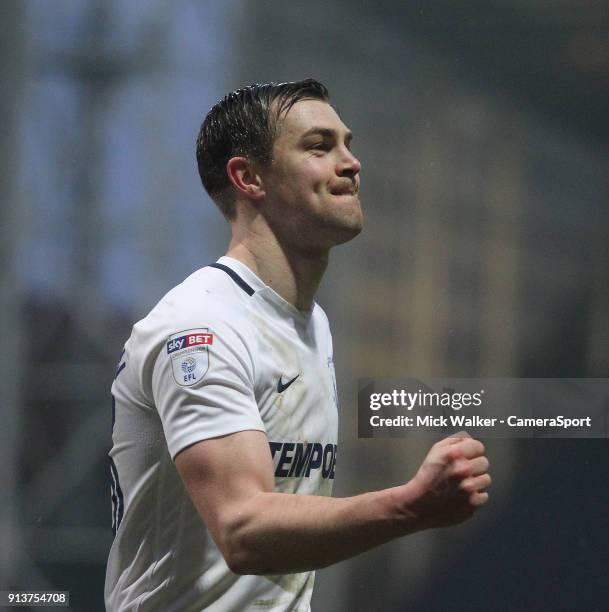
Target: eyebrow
327	132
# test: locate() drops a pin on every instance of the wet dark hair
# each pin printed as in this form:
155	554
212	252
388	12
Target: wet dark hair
244	123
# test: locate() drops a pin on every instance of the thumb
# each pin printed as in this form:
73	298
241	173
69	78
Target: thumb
457	437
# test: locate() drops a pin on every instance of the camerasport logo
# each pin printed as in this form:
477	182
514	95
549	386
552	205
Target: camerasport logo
189	351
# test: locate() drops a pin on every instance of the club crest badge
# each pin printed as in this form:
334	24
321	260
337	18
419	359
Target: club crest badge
189	354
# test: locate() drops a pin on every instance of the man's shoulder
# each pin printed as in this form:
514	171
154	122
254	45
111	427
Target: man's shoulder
320	314
320	318
205	299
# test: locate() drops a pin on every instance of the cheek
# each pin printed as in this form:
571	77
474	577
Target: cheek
314	175
302	177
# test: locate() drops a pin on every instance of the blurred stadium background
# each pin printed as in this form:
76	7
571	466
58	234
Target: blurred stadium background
483	129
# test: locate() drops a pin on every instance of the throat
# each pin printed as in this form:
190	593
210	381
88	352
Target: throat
294	276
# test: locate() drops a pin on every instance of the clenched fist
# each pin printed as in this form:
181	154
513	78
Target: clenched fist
451	483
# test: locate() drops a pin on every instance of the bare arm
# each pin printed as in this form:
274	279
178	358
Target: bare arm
230	480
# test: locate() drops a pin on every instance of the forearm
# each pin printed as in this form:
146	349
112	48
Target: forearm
230	481
276	533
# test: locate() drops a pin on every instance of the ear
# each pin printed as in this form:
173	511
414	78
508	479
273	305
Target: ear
244	178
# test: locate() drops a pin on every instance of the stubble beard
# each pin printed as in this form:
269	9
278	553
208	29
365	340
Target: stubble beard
330	230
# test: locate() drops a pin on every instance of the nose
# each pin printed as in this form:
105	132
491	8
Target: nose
348	165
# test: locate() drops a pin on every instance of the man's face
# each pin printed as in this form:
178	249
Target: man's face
313	181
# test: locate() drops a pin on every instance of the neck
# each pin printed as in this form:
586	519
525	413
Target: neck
294	276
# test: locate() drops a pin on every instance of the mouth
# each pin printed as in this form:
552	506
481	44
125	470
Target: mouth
346	190
346	194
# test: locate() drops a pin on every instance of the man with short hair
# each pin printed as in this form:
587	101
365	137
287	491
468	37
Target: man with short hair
225	405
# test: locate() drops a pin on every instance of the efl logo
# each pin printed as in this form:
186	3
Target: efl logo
188	341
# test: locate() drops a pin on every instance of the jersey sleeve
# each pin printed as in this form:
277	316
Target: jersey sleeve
203	384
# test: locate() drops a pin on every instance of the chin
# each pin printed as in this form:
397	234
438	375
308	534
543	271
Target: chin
327	236
347	229
351	233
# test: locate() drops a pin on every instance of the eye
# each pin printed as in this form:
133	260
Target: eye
320	146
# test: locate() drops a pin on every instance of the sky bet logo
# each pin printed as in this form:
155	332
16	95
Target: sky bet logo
188	341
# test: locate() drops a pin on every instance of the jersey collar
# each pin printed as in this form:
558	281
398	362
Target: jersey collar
259	286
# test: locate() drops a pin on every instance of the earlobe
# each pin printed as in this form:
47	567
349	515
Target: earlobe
244	178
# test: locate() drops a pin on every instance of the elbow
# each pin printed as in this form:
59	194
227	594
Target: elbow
237	544
239	562
242	560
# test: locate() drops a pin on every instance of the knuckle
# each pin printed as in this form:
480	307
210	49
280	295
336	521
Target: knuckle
460	469
475	501
467	486
453	454
438	445
459	476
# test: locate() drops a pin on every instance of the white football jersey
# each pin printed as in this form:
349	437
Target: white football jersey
220	353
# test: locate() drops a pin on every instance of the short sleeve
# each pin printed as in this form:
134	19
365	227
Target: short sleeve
203	383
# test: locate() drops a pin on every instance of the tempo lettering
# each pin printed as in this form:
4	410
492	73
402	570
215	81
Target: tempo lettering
297	459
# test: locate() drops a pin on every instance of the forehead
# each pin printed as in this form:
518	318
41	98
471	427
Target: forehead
308	114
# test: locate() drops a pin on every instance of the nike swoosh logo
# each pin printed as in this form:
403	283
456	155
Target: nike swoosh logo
282	387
